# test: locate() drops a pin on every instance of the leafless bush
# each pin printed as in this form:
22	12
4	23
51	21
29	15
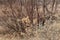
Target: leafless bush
19	19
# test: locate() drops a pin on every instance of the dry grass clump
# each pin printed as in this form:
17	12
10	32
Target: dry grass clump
29	21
